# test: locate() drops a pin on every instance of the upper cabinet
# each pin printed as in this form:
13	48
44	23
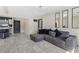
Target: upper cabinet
75	17
65	18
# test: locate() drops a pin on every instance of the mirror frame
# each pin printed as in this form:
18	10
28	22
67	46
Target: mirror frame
40	25
56	19
73	19
67	17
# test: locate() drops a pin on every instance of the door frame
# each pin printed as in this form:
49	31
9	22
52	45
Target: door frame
19	26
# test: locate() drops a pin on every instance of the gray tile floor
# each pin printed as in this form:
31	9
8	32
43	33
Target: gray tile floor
20	43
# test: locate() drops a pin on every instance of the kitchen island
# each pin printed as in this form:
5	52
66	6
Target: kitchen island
4	32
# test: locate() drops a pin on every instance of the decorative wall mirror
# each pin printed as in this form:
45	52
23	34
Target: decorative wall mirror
75	17
57	19
40	24
65	18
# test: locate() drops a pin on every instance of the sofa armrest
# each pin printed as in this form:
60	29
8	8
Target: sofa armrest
71	42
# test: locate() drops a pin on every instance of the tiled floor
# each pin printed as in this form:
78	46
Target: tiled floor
20	43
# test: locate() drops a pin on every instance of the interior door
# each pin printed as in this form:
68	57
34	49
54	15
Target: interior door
16	26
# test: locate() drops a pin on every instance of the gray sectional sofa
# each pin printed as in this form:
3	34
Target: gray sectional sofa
65	40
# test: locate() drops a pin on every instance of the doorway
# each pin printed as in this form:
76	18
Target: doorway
16	26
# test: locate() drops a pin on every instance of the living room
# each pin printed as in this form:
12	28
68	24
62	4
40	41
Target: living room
34	18
39	29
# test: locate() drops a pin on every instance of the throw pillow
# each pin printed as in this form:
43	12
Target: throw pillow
44	31
41	31
64	34
58	33
51	33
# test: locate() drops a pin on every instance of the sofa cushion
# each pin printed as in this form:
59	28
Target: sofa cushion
44	31
56	41
64	34
62	38
41	31
37	37
59	42
58	33
51	33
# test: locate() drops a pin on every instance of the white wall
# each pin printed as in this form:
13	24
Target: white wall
48	21
31	27
76	21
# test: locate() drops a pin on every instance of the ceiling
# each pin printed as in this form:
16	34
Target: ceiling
29	11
